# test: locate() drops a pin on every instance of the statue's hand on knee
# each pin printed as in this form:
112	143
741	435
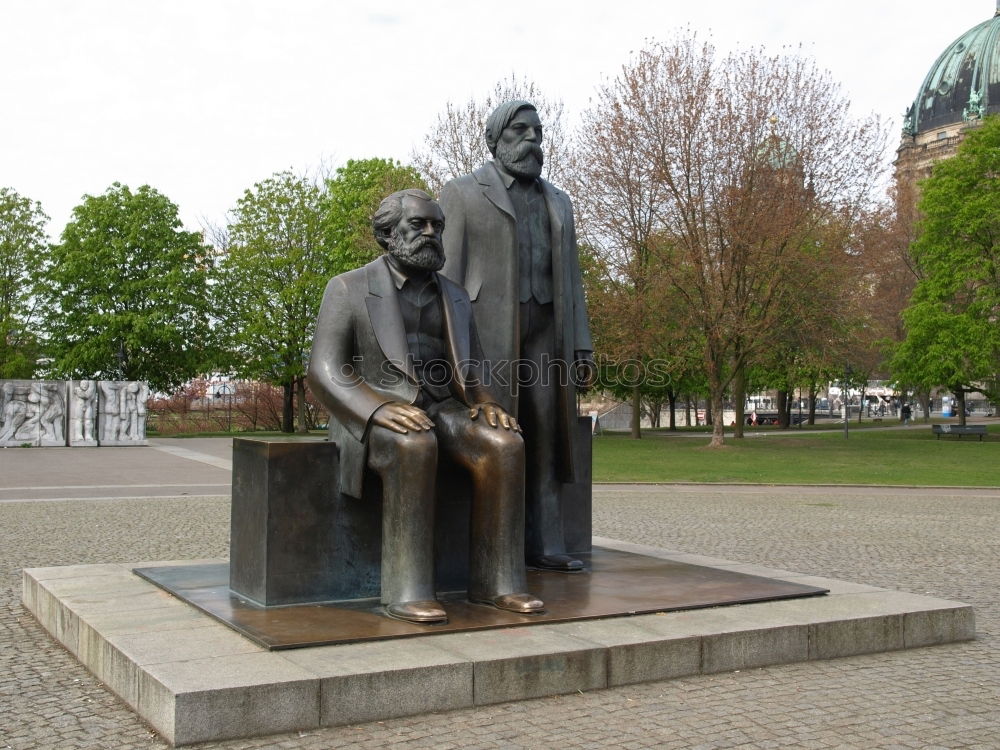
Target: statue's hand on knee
494	415
401	418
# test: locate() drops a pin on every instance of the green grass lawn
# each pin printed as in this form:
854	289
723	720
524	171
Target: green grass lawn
901	457
910	457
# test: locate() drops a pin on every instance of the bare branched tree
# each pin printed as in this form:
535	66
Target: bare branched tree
617	196
456	144
732	177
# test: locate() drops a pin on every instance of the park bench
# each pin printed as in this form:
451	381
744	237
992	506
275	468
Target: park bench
956	429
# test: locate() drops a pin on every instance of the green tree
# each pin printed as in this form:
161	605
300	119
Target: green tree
125	292
270	280
22	253
352	195
952	337
286	237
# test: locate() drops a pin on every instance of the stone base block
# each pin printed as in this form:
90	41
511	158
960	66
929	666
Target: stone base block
196	680
295	539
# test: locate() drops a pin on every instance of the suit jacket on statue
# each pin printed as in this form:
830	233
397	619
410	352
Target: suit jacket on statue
481	253
360	358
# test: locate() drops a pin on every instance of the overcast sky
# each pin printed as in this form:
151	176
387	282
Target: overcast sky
203	98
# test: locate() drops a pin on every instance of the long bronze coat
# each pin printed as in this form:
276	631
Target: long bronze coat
481	253
360	358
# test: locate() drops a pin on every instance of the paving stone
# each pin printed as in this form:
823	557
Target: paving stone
519	663
636	653
53	573
228	696
57	618
929	542
176	616
364	682
861	635
746	649
930	629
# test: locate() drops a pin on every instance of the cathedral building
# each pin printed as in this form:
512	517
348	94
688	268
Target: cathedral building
961	88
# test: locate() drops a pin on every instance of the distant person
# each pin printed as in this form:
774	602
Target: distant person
906	413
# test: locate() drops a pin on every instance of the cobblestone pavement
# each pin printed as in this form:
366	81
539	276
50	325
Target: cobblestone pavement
938	542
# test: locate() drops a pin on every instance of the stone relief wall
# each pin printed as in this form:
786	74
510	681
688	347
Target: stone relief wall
122	412
75	412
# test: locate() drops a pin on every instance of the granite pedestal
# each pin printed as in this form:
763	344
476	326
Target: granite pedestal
194	679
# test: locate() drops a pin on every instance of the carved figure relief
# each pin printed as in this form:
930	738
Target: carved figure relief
122	412
51	412
14	398
19	413
83	413
109	411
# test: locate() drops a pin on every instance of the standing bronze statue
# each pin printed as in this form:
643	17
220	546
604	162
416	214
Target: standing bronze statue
511	243
396	359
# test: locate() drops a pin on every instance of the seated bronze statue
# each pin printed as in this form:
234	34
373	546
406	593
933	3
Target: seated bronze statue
396	359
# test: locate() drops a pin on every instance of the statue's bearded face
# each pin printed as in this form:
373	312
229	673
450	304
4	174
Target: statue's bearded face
416	240
519	148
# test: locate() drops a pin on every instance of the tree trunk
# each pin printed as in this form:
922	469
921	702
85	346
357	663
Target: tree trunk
716	394
718	423
687	409
783	410
960	405
636	413
300	384
812	403
710	419
287	411
654	407
672	400
924	397
739	400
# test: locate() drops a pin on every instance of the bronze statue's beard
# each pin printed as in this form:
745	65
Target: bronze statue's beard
423	253
522	160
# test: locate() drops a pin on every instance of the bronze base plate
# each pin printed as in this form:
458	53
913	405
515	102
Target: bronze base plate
614	584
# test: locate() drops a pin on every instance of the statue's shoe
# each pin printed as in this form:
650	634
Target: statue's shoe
558	562
420	612
522	604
